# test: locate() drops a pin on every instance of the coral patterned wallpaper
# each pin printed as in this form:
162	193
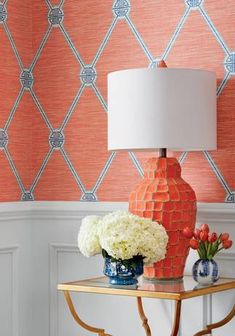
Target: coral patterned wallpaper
54	60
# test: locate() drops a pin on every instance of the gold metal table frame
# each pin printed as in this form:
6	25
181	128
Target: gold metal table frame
177	291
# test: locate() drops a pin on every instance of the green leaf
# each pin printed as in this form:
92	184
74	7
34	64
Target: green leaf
203	252
208	250
214	248
104	254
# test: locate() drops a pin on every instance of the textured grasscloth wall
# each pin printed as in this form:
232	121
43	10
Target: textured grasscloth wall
15	103
54	62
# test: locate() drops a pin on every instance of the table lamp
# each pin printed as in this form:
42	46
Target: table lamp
160	109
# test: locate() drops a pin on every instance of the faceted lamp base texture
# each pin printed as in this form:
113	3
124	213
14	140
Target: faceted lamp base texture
165	197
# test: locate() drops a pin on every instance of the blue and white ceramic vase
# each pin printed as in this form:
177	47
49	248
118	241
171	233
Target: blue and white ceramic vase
205	271
123	274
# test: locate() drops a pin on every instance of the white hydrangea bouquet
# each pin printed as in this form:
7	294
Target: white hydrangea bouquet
123	239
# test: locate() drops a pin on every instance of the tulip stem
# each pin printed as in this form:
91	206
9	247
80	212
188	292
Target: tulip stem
220	249
202	251
208	250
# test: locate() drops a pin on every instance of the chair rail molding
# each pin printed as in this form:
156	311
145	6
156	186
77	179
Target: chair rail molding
212	212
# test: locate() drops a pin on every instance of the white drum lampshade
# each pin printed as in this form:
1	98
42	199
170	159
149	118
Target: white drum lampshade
162	108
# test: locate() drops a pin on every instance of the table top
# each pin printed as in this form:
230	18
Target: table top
174	290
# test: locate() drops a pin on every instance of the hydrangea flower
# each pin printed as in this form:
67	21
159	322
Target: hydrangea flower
88	239
124	235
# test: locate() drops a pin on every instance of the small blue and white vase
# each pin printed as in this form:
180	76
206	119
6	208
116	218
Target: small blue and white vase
205	271
120	274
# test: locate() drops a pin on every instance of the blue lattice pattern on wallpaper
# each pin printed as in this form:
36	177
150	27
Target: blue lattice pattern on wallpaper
120	10
56	139
55	16
88	75
230	63
3	13
26	79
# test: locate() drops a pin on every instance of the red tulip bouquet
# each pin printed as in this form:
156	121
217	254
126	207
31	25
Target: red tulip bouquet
207	243
205	271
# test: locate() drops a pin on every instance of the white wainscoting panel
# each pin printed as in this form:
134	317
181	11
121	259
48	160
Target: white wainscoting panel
9	291
15	278
117	315
38	249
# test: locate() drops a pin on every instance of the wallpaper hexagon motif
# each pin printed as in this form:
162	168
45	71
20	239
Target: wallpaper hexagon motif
54	61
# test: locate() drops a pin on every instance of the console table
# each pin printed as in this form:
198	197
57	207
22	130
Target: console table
177	291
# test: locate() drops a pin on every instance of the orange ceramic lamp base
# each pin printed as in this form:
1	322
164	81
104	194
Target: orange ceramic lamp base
166	198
